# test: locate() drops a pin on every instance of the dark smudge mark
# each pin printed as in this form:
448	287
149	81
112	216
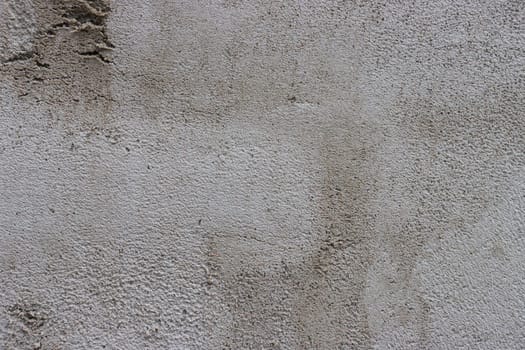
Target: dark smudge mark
338	276
315	299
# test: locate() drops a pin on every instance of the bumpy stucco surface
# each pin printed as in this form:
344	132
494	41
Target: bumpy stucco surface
262	174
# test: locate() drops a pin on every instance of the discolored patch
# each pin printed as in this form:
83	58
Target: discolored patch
25	324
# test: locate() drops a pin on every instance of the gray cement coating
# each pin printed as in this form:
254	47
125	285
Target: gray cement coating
262	174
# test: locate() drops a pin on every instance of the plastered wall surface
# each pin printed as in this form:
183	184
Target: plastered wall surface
262	174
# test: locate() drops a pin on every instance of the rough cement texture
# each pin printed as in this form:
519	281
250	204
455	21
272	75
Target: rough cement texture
262	174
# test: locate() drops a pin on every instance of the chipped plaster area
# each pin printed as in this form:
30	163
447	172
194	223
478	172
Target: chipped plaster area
262	175
58	53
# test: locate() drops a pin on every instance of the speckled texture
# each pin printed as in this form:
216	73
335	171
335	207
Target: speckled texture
262	175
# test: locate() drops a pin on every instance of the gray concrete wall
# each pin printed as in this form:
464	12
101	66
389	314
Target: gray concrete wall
262	174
